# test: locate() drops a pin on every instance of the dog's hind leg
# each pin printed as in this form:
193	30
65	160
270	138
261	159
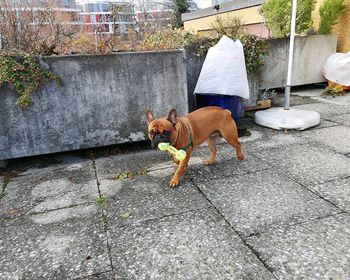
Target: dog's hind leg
212	147
231	136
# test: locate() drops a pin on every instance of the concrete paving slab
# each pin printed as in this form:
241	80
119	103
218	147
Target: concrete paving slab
49	163
343	119
256	202
307	93
33	248
294	100
307	164
315	250
326	110
144	198
55	189
336	138
337	192
226	165
341	100
324	123
195	245
316	95
145	160
263	138
271	139
100	276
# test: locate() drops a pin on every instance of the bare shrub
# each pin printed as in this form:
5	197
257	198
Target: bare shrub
37	27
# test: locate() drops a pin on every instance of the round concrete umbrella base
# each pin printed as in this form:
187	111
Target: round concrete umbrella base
279	118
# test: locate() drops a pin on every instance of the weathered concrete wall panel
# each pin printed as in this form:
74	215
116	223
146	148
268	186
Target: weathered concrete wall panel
103	102
310	54
194	65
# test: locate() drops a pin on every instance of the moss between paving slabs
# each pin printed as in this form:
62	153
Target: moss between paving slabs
102	203
128	174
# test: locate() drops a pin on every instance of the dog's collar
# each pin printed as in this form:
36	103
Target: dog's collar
190	143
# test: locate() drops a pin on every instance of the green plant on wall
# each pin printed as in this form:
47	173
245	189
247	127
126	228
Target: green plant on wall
277	14
254	50
25	75
329	13
179	7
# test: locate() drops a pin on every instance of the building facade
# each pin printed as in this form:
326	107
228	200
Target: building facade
246	10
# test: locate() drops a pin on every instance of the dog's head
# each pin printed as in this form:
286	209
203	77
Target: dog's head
161	129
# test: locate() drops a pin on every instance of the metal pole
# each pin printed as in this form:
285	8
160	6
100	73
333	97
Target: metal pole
290	59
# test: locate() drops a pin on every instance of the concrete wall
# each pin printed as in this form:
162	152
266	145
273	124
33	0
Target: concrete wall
310	54
102	102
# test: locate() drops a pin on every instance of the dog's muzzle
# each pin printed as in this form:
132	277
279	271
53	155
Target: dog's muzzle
159	138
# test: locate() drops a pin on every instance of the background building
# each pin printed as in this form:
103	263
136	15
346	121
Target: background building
70	10
153	11
246	10
106	17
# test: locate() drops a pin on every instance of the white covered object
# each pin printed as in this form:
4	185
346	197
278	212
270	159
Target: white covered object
224	70
337	68
279	118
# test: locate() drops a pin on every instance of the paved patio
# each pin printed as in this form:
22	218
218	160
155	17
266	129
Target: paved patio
282	213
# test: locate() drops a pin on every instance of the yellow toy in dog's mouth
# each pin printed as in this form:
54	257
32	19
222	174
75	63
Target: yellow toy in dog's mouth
179	154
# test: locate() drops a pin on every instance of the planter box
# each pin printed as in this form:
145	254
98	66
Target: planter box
103	102
310	54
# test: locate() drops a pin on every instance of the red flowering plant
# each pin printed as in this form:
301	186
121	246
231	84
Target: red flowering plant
25	75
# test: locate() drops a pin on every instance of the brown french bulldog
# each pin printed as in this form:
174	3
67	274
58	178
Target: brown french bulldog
192	130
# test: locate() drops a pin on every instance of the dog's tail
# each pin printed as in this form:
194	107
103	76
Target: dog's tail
228	111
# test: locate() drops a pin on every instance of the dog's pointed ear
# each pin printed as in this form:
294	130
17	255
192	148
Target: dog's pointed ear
149	116
172	117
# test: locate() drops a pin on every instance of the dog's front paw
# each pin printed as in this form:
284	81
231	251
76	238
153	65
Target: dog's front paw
174	182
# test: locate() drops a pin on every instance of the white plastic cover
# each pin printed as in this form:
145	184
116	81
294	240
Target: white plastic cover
337	68
224	70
